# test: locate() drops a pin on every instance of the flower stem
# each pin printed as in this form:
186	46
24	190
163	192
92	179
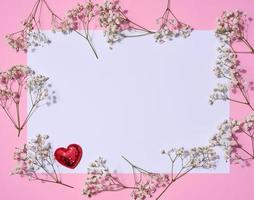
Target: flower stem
168	5
19	131
248	44
18	118
136	167
56	182
165	189
174	180
89	42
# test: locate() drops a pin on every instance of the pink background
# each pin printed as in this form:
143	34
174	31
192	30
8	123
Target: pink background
201	14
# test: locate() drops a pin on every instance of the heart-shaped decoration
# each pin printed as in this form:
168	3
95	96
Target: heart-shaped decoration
70	156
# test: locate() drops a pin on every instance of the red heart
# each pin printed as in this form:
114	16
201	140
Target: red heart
69	157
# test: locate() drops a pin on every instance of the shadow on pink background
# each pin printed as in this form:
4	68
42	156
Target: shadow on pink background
200	14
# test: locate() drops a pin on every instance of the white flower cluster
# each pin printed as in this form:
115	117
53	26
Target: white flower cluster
19	72
146	189
13	83
170	29
76	18
5	95
227	63
33	157
22	75
35	160
231	26
248	124
227	137
219	93
99	179
113	21
11	80
223	138
24	165
228	68
29	37
38	88
37	39
197	157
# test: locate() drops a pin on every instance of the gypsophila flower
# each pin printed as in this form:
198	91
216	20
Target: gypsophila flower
231	26
36	158
227	63
228	138
38	88
228	68
77	18
100	179
113	20
147	188
219	93
231	133
146	184
223	138
31	36
197	157
13	85
171	27
28	37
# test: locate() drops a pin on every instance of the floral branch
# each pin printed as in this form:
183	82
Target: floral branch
111	18
171	27
115	23
232	27
13	84
228	68
78	18
117	26
31	35
35	160
232	133
232	136
146	184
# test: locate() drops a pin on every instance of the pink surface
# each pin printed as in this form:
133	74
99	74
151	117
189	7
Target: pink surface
201	14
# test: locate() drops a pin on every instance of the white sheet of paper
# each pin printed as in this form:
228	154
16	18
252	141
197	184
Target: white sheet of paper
135	100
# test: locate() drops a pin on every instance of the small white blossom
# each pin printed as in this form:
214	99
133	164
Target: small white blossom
113	20
194	158
99	179
170	29
33	157
76	18
231	26
29	37
17	80
35	160
219	93
227	137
